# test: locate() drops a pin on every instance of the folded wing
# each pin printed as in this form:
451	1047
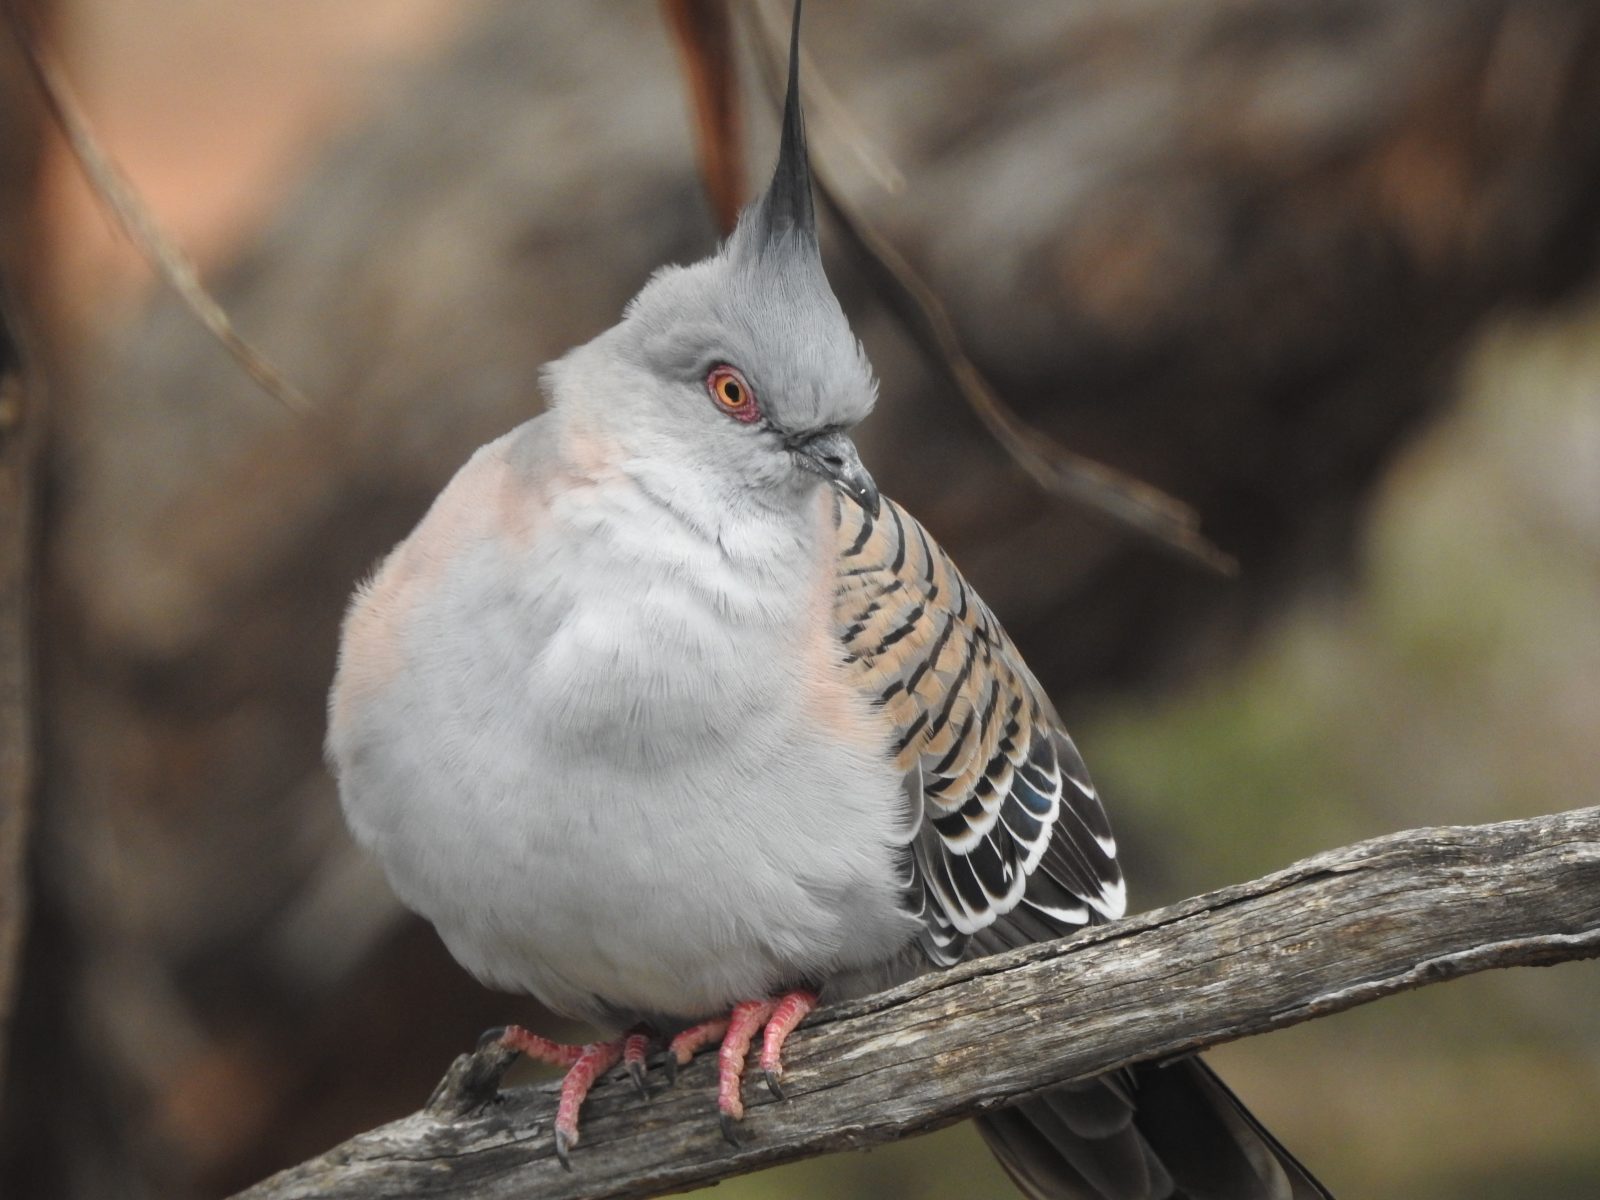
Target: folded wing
1007	839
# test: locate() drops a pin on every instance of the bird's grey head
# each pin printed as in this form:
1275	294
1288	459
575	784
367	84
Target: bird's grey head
743	365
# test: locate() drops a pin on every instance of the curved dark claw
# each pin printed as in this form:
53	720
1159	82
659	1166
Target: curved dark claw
730	1128
773	1084
636	1073
490	1036
564	1148
670	1066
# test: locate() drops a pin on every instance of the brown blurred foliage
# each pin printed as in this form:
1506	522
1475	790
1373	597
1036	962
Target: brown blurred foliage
21	409
1233	248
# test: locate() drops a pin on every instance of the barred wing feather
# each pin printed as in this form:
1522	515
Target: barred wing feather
1007	839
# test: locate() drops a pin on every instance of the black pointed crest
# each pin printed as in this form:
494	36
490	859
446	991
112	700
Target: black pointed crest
787	208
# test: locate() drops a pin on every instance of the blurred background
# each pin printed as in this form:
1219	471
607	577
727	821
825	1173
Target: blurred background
1326	272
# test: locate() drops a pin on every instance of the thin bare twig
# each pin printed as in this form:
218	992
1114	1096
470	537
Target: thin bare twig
1131	502
703	32
111	187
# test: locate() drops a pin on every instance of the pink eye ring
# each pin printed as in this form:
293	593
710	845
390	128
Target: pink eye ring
732	394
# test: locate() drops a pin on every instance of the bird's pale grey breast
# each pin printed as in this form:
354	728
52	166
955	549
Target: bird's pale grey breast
620	766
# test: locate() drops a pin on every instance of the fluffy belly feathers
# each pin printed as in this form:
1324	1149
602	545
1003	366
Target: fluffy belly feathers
598	844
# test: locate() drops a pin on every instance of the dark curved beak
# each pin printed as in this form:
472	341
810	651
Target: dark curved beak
832	455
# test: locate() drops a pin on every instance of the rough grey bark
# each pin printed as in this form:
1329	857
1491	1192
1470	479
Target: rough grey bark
1340	929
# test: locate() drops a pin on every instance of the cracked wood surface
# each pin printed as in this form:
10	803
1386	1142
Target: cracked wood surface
1336	930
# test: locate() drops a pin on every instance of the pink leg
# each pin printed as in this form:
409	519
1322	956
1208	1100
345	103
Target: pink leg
747	1017
635	1046
790	1011
584	1065
693	1039
777	1017
594	1061
540	1049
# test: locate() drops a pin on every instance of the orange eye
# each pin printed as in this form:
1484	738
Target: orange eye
732	394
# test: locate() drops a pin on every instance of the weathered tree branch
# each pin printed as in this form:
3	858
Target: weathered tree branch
1334	931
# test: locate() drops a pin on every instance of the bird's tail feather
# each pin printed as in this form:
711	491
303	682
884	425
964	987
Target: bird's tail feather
1168	1131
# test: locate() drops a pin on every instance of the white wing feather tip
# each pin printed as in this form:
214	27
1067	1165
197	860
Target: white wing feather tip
1001	748
1112	902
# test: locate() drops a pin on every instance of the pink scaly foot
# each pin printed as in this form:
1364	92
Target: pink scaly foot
597	1058
635	1047
584	1065
531	1045
777	1017
790	1011
687	1044
747	1017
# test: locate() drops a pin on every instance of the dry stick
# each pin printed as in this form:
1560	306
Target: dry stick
845	135
1337	930
703	32
1131	502
111	187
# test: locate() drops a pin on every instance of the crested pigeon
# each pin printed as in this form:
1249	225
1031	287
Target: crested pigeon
665	717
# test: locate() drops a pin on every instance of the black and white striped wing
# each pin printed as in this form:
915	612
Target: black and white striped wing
1008	840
